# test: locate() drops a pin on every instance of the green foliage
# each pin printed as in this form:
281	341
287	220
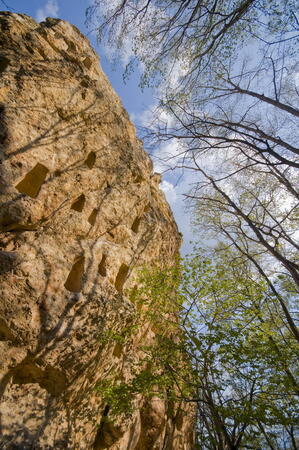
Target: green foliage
247	358
217	344
121	337
161	353
120	395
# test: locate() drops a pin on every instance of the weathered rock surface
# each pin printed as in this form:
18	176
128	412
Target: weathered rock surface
80	212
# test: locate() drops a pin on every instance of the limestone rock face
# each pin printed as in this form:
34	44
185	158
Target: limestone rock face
81	210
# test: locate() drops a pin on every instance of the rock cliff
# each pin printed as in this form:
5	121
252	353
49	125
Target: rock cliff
81	210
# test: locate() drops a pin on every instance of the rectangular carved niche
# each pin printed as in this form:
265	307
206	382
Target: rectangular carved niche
74	279
4	63
121	277
136	224
90	160
102	266
32	182
79	203
93	216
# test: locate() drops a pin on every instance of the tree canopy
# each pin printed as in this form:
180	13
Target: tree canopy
221	344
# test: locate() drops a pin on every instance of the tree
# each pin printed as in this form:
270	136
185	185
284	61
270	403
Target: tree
219	347
225	71
193	33
250	213
244	348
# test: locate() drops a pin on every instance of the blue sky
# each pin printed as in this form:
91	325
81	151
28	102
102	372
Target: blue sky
136	101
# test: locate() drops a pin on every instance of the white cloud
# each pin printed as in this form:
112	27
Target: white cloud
168	154
50	9
182	214
167	157
169	191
